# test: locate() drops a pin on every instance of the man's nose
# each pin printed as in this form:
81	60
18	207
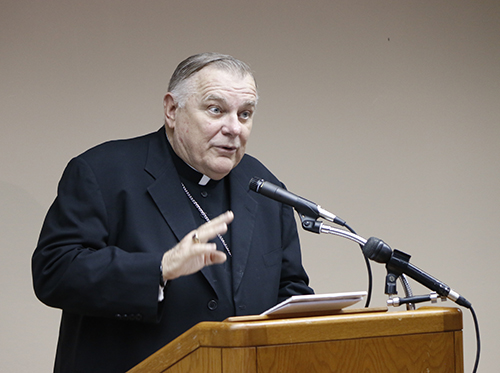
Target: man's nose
232	125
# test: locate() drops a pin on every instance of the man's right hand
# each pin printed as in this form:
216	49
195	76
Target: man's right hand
194	252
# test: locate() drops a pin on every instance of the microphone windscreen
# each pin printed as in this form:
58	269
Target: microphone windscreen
254	184
377	250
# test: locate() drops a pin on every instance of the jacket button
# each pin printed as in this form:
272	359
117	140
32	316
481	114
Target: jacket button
212	305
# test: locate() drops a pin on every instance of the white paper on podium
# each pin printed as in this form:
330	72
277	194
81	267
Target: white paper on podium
316	303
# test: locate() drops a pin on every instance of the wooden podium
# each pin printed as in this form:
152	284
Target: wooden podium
367	340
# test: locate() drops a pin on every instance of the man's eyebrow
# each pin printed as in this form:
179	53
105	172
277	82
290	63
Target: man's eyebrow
212	97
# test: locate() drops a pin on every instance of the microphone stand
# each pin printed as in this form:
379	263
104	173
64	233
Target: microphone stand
312	225
315	226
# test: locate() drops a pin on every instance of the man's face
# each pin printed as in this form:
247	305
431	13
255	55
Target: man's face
211	131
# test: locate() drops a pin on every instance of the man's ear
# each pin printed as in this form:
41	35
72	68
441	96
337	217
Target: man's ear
170	110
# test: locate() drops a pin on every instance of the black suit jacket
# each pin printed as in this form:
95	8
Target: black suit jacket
119	207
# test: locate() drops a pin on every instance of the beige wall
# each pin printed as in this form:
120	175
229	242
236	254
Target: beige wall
386	113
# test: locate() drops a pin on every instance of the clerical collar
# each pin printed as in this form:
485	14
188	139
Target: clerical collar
188	172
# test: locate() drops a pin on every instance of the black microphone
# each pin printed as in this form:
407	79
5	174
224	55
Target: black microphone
398	262
301	205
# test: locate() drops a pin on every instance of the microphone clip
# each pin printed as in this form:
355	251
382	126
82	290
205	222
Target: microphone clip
310	224
395	268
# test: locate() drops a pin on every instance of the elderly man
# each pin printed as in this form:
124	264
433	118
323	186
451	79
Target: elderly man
151	235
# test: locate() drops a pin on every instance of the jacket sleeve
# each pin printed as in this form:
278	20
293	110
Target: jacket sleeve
75	269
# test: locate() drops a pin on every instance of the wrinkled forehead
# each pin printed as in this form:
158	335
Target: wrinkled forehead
212	80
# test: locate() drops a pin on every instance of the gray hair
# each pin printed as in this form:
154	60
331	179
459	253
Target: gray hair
179	84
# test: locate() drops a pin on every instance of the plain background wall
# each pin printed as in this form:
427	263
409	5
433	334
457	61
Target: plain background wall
386	113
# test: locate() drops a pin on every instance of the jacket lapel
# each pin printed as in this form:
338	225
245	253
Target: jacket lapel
166	189
168	195
244	207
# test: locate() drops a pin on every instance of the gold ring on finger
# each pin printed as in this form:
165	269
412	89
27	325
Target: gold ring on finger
195	238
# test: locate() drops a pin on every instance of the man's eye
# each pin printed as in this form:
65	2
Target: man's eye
246	115
214	110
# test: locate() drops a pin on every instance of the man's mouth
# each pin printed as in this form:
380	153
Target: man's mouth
227	148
